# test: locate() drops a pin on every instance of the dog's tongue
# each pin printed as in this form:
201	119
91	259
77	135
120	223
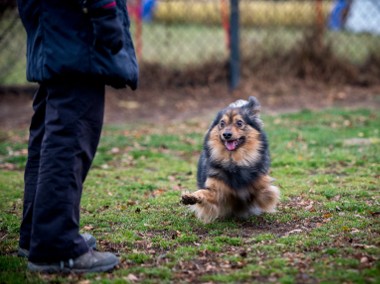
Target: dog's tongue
231	145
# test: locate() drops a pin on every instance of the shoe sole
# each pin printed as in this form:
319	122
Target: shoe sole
57	269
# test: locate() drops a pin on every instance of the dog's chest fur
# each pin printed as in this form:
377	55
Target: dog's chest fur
236	177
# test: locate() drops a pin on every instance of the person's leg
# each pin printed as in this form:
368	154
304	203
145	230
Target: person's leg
73	123
36	133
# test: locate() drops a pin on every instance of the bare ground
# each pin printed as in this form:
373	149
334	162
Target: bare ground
157	104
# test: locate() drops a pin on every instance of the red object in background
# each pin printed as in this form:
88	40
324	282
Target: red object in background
135	11
319	23
319	11
225	22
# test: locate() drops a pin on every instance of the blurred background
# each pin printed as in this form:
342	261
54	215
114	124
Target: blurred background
186	42
292	55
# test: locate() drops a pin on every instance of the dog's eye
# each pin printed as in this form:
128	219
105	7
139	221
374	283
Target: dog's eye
222	124
239	123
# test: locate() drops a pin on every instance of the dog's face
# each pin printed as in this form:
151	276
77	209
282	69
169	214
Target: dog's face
232	130
235	134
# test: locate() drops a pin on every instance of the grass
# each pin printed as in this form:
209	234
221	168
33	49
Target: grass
326	229
184	45
12	50
259	13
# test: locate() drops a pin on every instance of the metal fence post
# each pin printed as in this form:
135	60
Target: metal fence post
234	45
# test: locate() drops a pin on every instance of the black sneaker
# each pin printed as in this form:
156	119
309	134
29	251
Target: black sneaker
91	261
90	240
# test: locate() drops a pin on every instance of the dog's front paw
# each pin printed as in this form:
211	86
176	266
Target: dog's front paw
189	199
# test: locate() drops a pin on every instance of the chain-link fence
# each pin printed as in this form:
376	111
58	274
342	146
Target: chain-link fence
187	41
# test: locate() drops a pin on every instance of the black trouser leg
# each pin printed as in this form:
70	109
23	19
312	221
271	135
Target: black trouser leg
36	133
72	127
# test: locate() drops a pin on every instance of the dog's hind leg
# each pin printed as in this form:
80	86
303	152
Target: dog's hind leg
266	196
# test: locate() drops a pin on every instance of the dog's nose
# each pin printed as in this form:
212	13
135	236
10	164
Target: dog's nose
227	135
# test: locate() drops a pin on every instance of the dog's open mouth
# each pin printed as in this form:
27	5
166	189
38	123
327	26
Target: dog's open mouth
232	145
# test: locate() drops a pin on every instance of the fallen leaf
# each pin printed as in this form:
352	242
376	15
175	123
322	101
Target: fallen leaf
115	150
310	206
88	228
171	178
295	231
355	245
357	141
327	215
84	282
132	277
364	259
7	166
336	198
158	192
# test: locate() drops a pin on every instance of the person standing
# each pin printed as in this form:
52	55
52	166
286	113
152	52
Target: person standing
74	49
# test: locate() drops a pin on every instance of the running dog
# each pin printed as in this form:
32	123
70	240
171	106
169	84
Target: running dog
233	168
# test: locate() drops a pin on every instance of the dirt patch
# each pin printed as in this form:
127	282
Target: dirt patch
161	105
309	76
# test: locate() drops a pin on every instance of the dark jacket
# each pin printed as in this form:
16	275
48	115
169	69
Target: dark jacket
69	39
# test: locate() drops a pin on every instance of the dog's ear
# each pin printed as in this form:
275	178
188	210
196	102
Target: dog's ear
252	109
253	105
216	119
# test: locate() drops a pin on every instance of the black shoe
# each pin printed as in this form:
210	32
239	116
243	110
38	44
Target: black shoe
89	239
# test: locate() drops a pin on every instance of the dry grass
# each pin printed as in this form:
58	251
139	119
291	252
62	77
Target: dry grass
260	13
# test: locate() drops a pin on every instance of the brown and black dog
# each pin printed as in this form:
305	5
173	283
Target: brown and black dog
233	168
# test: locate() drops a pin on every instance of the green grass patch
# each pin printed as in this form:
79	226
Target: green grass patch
326	228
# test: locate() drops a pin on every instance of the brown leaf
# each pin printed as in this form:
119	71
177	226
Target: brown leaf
158	192
327	215
336	198
131	277
7	166
310	206
88	228
171	178
115	150
295	231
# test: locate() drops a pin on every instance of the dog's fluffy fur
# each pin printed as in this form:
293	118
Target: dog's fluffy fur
233	167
